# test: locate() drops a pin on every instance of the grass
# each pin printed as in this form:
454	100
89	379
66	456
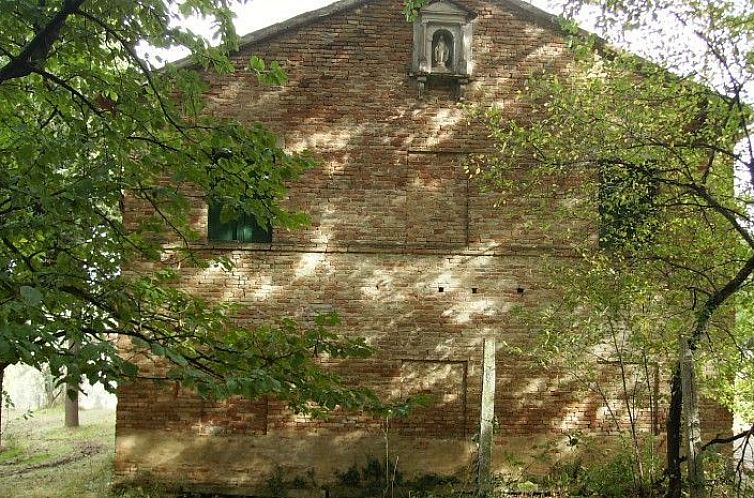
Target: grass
42	459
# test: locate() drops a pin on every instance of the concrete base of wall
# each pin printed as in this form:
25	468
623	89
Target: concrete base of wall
245	464
256	465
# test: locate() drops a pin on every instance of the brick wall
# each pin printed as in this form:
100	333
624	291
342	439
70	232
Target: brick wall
410	253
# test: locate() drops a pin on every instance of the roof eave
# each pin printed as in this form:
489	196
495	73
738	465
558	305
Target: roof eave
285	26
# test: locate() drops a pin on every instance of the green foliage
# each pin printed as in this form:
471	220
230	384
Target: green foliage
275	484
648	169
654	157
144	486
87	126
372	478
411	8
597	472
272	75
429	485
626	205
734	376
608	337
350	477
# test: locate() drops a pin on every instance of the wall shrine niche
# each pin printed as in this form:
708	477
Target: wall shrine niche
443	34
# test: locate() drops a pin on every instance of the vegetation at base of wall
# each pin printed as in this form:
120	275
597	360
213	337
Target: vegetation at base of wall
594	470
369	479
613	478
591	470
372	477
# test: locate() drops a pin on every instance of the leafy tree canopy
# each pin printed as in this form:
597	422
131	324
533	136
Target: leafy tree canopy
662	212
86	122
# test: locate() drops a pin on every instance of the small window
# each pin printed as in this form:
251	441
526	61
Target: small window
244	228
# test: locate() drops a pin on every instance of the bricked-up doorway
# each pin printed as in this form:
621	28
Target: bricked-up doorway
444	382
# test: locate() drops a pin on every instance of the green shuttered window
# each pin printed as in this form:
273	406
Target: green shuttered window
242	229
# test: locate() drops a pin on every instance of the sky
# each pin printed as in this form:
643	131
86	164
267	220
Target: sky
257	14
260	13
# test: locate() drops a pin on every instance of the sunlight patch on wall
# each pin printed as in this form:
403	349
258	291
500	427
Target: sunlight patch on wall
308	264
535	386
464	312
446	279
336	166
334	138
380	284
442	125
265	289
328	222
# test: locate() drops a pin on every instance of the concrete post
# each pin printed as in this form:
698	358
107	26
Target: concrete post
693	423
487	417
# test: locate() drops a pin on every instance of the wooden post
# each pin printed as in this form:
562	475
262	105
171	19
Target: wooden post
487	417
693	423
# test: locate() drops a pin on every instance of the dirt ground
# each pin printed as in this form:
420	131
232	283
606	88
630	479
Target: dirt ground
42	459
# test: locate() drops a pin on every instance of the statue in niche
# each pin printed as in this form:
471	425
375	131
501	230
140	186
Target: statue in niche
442	51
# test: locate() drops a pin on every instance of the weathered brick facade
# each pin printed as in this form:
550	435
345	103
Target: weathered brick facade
407	250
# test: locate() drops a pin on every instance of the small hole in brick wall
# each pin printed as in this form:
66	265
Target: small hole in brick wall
520	290
377	287
441	289
474	290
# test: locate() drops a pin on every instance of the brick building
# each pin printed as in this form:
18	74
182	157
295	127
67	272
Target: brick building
407	250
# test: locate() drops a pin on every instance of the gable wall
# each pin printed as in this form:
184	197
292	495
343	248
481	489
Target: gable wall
394	220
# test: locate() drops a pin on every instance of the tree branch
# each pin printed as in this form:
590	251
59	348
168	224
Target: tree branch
139	62
724	440
75	93
717	299
35	53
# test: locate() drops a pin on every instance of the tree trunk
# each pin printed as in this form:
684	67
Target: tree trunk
693	422
673	432
2	401
72	406
72	396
